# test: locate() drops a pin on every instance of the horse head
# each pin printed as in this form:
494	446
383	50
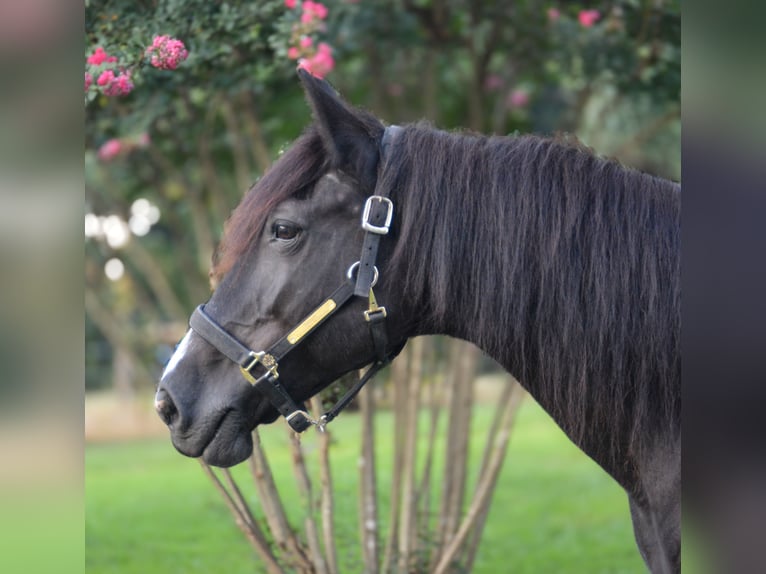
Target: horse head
292	310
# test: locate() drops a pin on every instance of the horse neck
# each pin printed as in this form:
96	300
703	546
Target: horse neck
555	263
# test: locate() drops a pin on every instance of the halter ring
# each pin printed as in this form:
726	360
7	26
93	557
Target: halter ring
354	266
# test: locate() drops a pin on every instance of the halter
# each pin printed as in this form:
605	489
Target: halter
376	222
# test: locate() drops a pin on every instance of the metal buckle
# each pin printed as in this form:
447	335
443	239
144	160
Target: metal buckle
268	361
377	229
370	312
303	414
321	424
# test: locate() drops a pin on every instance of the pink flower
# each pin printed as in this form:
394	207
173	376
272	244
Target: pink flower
306	41
588	17
320	10
112	85
313	10
290	4
123	83
553	14
293	53
518	98
88	80
99	56
110	149
166	53
106	78
321	63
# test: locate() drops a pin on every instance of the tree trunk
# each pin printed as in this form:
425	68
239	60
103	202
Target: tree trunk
414	542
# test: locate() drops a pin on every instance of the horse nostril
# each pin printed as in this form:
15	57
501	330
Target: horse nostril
165	407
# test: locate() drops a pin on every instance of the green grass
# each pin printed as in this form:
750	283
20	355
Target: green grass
148	509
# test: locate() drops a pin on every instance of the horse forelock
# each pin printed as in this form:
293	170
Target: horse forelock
560	264
294	172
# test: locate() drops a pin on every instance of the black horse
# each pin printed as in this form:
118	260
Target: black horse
562	266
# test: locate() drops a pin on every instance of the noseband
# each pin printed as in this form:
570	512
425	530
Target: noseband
376	222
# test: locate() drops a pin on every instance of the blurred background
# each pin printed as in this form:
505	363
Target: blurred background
178	128
42	48
167	160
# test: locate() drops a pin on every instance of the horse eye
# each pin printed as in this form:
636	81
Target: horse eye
285	231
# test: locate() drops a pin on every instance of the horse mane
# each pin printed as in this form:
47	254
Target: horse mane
576	262
293	174
575	258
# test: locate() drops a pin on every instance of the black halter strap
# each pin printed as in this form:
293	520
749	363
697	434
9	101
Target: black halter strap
376	221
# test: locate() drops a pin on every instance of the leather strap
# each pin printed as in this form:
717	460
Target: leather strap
339	297
270	387
203	324
377	215
214	334
268	383
389	135
376	220
353	391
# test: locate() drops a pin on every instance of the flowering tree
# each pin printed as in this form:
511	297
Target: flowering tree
175	116
188	101
186	113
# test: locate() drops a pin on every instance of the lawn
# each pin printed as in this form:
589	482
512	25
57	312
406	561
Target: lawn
149	509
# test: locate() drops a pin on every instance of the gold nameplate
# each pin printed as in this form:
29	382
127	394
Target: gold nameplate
311	321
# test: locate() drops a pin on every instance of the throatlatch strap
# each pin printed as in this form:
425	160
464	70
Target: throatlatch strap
353	391
276	394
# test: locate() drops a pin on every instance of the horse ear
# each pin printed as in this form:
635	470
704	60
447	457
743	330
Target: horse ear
350	136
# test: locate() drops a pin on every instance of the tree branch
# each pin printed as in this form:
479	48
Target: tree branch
407	533
368	492
273	507
486	483
156	277
304	487
399	369
326	500
260	150
648	132
251	531
238	152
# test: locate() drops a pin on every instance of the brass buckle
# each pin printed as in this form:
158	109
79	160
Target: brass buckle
373	307
268	361
369	312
